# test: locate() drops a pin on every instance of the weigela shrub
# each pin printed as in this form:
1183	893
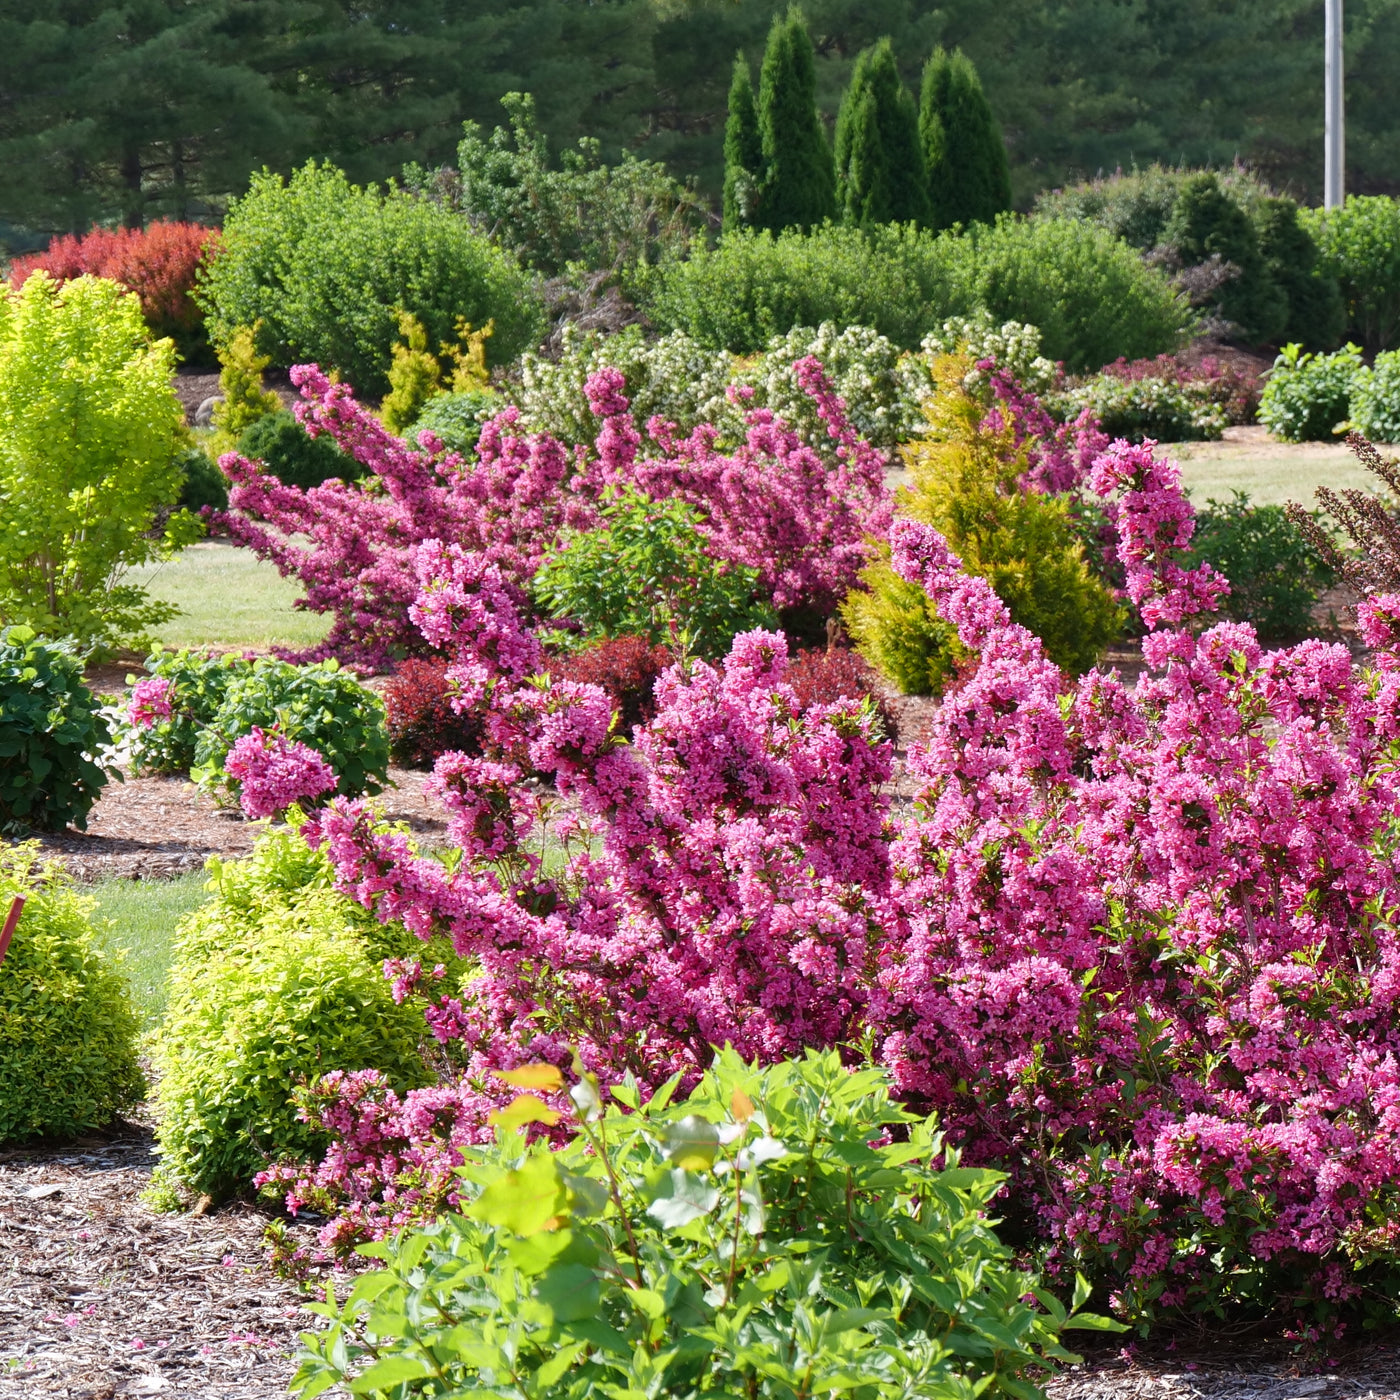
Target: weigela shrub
90	439
741	1241
320	707
159	263
1276	576
644	570
421	721
626	668
773	504
1307	398
322	269
993	474
52	737
67	1032
179	694
1134	947
277	979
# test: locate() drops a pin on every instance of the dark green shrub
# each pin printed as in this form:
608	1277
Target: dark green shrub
196	683
1375	399
644	572
743	151
1206	223
67	1031
52	734
204	484
293	456
1092	298
1308	397
780	1231
1359	245
457	418
277	979
1316	316
968	178
322	269
1275	575
880	174
320	706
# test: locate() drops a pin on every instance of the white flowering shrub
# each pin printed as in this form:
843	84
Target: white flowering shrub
1013	344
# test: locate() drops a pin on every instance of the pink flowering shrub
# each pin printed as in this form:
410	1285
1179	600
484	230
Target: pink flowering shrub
150	702
1135	948
273	773
773	504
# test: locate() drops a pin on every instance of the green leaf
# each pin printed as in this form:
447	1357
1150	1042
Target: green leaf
570	1292
688	1198
524	1200
391	1371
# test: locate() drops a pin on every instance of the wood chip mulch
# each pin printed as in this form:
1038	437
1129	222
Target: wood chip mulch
102	1297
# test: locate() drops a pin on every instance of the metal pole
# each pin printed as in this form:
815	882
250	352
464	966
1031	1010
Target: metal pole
1334	172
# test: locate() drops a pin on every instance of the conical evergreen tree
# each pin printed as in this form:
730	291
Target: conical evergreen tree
799	180
880	175
743	151
968	179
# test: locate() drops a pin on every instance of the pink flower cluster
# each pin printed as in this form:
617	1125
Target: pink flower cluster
150	702
1137	948
274	772
773	505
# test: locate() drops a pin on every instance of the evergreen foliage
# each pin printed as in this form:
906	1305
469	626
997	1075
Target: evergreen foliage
1316	315
799	179
969	180
743	150
880	176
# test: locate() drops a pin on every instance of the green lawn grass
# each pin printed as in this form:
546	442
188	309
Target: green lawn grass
140	916
228	598
1270	473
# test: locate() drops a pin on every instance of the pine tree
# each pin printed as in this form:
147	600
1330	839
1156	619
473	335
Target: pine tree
743	150
880	176
799	180
969	181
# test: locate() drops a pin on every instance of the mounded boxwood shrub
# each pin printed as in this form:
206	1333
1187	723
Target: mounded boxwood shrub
52	732
1092	297
277	980
293	456
67	1032
456	418
323	269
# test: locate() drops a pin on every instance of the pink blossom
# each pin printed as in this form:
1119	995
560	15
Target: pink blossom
274	772
150	701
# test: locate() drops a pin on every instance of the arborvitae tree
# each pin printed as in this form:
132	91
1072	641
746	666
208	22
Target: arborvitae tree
880	176
1316	314
799	180
968	178
743	150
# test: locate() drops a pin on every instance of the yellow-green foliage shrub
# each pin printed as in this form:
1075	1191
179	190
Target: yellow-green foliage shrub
67	1031
965	477
278	979
245	401
90	441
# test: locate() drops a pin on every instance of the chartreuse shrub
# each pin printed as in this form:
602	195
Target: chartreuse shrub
645	571
179	694
1275	575
323	269
320	706
277	979
67	1032
90	436
1308	397
765	1237
967	481
52	733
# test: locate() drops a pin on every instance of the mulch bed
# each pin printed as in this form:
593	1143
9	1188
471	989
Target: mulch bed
101	1297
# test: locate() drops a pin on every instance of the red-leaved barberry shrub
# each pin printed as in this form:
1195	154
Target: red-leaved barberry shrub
825	676
418	710
158	263
625	667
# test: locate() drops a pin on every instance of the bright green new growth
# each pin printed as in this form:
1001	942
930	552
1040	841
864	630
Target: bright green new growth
245	401
67	1032
323	268
89	457
799	181
743	151
414	376
765	1238
880	174
968	177
1023	543
644	572
277	980
51	732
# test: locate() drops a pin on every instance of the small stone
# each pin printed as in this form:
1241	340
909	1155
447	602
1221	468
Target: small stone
204	414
